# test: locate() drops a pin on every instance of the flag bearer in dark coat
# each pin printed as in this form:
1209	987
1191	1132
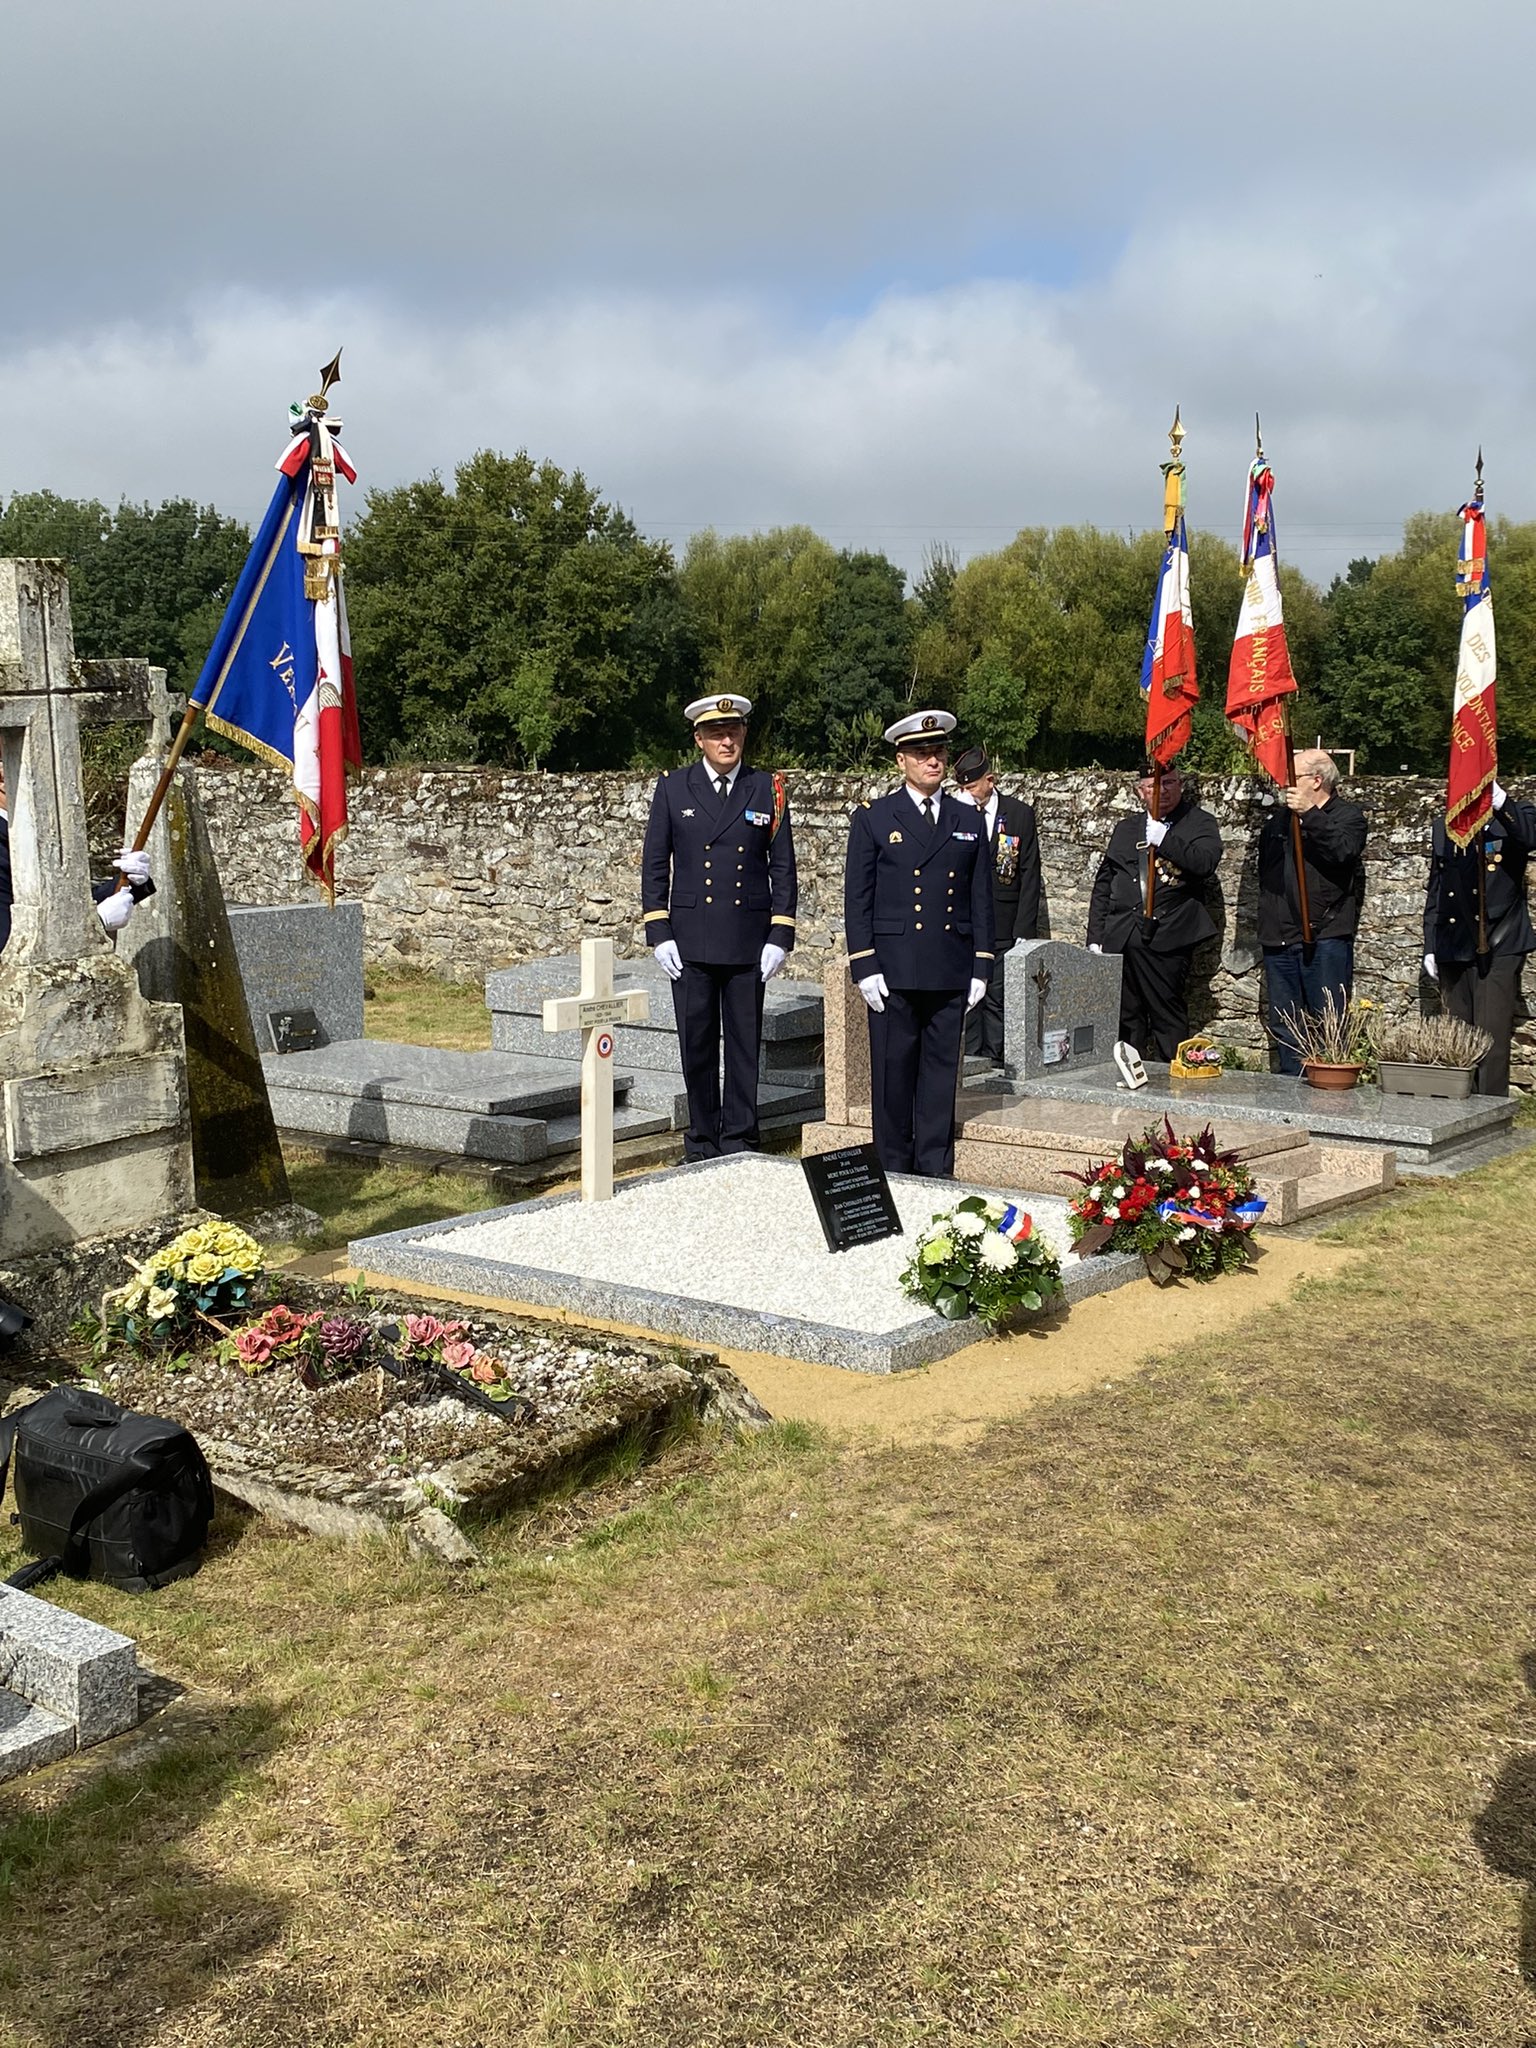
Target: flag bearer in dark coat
1155	953
1298	976
1482	989
1014	846
719	893
917	911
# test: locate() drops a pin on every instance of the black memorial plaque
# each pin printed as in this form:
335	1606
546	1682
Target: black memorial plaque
852	1195
294	1030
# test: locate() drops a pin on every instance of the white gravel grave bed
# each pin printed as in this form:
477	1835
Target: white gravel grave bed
725	1252
747	1238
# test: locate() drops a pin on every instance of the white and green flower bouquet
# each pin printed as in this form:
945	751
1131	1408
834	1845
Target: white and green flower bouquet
983	1259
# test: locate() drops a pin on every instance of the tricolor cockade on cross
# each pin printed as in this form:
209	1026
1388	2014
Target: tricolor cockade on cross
1474	711
279	675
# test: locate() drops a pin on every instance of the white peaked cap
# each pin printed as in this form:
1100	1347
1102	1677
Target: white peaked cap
711	710
921	725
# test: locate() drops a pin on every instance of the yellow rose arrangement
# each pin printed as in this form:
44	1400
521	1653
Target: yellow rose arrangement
205	1272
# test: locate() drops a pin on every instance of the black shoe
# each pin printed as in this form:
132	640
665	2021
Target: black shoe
13	1320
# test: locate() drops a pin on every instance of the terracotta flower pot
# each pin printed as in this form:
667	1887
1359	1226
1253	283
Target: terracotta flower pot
1319	1075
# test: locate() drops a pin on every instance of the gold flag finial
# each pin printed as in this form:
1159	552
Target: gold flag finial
1477	491
330	375
1258	440
1173	475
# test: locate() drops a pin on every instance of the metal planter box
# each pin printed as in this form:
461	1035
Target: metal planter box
1399	1077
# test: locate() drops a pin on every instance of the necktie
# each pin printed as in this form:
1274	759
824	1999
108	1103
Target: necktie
720	787
927	809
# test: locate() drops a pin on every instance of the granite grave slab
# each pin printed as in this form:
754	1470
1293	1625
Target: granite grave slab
65	1682
723	1251
1424	1131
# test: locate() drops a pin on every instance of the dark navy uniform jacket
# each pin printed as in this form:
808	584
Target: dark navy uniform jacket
1450	901
917	905
717	878
1190	853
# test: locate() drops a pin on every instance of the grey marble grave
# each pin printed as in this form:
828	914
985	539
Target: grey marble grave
1427	1133
65	1682
1061	1008
482	1105
789	1068
301	956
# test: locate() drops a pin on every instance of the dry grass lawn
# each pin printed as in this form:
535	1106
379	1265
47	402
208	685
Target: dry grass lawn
1185	1710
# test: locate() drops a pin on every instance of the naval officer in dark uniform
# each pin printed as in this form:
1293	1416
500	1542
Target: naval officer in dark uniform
1185	845
719	892
917	911
1482	989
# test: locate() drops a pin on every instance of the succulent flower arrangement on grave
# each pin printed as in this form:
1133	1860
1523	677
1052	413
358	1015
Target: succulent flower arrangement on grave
322	1348
982	1259
206	1274
1184	1205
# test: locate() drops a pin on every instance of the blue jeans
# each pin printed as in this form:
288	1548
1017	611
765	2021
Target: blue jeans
1298	978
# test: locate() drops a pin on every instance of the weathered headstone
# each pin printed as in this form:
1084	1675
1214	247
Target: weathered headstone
94	1076
594	1011
181	942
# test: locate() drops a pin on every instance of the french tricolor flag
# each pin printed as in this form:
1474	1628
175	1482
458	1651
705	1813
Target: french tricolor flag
1260	674
1168	661
1474	711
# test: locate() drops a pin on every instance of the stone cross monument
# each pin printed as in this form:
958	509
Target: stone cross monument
596	1010
92	1077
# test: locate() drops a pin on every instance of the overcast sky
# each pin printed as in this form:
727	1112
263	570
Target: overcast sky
902	270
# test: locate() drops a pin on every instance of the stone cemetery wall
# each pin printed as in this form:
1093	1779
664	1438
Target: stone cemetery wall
461	870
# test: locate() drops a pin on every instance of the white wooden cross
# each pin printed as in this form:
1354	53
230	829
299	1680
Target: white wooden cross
594	1012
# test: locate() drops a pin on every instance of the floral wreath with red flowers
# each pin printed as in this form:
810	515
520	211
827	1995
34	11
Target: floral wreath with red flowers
1185	1206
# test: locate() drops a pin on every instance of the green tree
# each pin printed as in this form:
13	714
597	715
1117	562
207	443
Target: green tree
757	605
513	617
150	581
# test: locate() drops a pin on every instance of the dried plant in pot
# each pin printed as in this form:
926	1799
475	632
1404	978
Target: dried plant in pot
1334	1041
1430	1056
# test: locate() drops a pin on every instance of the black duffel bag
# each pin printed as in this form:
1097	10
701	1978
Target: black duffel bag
104	1493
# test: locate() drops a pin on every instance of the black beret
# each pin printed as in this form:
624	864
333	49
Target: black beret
971	766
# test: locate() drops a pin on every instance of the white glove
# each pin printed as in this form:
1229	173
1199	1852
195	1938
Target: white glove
1500	796
874	991
1157	831
1430	968
671	960
1095	949
116	909
772	962
974	994
135	866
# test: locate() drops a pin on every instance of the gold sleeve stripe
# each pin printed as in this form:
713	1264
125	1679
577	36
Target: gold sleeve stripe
867	954
652	915
781	919
986	956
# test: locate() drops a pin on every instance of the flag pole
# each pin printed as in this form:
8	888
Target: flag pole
329	375
1173	498
1303	907
1482	851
